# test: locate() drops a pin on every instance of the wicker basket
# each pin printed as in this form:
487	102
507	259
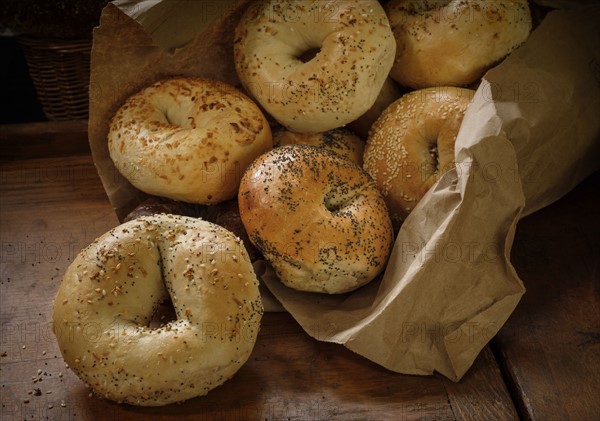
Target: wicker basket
60	70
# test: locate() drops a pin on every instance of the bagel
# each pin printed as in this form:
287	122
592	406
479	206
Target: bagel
390	92
341	141
314	65
187	139
316	217
108	296
442	42
412	143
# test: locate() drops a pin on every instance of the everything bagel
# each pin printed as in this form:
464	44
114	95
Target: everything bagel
353	48
110	292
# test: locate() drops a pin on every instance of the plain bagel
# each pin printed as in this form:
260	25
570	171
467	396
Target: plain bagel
353	48
187	139
444	42
109	294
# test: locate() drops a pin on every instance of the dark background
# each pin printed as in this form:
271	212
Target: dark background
56	19
18	100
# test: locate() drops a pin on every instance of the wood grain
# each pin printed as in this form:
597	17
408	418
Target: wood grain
289	376
43	139
51	208
550	346
479	395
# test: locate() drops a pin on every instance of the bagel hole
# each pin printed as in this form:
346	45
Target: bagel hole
175	113
435	156
169	119
335	202
309	54
164	313
333	207
175	120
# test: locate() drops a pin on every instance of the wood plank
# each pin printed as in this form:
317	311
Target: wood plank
479	395
43	139
289	376
550	346
51	208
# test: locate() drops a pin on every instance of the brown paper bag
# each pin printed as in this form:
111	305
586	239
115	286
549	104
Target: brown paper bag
127	56
530	135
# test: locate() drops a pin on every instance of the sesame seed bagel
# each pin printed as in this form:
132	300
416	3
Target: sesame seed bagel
354	49
187	139
453	42
110	292
317	217
341	141
412	144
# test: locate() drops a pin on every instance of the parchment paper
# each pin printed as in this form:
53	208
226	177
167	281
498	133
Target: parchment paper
530	135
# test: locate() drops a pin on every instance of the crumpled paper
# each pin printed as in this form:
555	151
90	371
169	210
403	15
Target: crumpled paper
530	135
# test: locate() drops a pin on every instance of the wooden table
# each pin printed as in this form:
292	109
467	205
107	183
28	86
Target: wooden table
543	365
